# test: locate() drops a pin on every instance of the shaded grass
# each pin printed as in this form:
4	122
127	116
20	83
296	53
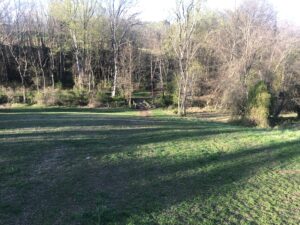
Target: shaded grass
80	166
38	109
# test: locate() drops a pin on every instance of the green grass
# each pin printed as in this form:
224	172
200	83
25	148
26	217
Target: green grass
140	94
81	166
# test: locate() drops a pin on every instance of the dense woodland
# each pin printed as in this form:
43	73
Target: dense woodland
98	53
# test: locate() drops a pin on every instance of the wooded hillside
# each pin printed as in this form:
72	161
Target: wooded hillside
98	53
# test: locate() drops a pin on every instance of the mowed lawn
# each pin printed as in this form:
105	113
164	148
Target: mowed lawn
80	166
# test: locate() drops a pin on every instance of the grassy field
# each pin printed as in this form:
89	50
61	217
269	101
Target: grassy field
80	166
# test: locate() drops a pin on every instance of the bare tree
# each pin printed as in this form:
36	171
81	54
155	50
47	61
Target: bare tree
185	46
241	44
121	20
127	69
39	51
78	17
19	41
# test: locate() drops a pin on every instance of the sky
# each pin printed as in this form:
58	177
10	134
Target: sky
157	10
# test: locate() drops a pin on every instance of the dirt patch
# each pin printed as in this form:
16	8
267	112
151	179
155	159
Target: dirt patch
288	172
145	113
50	162
5	106
209	115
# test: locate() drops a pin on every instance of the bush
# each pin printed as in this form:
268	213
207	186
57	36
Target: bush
200	103
9	93
3	97
30	97
235	101
164	101
73	98
58	97
49	97
104	99
15	95
65	98
258	105
81	97
118	101
100	99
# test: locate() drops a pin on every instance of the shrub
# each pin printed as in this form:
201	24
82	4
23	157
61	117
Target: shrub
100	99
258	105
104	99
3	97
13	95
200	103
58	97
30	97
175	97
235	101
81	97
65	98
118	101
164	101
9	93
49	97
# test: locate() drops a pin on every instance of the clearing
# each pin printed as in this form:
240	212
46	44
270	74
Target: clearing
81	166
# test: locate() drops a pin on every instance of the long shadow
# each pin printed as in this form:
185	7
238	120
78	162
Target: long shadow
136	187
37	120
165	133
64	110
101	122
150	187
39	117
109	141
11	121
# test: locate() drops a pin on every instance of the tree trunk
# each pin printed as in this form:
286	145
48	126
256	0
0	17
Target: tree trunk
183	102
37	80
130	76
41	65
51	71
78	64
114	91
151	78
161	78
279	107
44	80
24	94
180	113
52	80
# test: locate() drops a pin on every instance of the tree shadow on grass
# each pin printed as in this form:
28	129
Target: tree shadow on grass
137	188
114	137
13	121
64	110
131	187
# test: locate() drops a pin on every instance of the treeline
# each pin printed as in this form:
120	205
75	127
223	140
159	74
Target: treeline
98	53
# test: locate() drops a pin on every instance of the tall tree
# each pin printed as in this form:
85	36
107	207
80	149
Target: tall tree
78	16
185	46
121	20
241	43
19	41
